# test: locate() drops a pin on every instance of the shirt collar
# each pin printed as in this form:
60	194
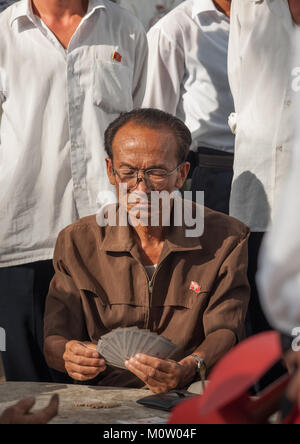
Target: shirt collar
23	8
120	239
201	6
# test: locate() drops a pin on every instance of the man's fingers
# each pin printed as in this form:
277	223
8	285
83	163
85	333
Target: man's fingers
162	365
87	362
154	385
45	415
146	372
79	349
24	405
52	408
80	376
87	371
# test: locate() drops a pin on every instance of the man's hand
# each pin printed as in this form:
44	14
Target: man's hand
295	10
82	361
161	375
20	412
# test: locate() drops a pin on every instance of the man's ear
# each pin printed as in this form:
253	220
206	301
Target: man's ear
183	172
109	171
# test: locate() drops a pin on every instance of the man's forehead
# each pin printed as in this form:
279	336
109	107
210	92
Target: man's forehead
135	130
133	139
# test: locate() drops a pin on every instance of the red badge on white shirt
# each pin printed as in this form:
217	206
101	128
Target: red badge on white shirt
195	287
117	57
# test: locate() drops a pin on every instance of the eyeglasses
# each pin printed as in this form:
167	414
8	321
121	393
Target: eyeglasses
155	178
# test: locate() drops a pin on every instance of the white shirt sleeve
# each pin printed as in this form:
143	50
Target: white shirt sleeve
278	276
2	97
234	64
140	70
165	72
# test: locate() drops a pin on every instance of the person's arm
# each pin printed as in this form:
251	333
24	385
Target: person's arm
224	317
140	68
234	61
2	96
165	71
66	345
20	412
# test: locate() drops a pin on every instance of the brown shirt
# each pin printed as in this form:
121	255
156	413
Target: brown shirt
101	284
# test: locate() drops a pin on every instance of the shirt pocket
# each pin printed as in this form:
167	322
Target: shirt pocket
112	87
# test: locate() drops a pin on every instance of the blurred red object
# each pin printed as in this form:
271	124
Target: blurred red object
226	399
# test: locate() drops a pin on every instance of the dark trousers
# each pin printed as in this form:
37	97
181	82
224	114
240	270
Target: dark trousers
256	321
213	175
23	291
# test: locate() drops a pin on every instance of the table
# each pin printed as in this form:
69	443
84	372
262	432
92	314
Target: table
126	410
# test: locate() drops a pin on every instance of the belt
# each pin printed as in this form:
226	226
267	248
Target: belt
222	160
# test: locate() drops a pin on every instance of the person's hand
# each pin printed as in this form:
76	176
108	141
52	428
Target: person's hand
295	10
161	375
20	412
82	361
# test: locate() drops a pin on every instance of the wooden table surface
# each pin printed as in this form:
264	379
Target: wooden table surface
126	408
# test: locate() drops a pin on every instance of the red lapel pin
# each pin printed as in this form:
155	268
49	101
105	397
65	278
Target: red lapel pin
117	57
195	287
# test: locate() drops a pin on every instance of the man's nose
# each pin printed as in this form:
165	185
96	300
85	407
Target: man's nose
142	183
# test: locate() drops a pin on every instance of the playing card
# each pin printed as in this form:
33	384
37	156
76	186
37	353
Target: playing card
123	343
127	340
110	356
161	348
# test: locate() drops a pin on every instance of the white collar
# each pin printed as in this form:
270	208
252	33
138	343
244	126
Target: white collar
201	6
23	8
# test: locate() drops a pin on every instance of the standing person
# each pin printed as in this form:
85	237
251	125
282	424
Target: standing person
187	77
5	3
259	61
67	69
279	265
149	11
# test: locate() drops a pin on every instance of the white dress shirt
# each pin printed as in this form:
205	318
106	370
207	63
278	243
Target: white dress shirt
279	266
56	105
187	72
149	11
259	69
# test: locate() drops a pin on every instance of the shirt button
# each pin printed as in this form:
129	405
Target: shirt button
288	103
280	148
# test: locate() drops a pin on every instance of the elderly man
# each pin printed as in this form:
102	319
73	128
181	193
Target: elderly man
67	69
191	290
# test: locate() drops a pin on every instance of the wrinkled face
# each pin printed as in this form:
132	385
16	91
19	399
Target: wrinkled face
145	149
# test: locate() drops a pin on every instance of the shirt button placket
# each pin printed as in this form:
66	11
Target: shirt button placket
78	161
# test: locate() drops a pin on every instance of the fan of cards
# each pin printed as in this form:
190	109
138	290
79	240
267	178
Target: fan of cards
124	343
